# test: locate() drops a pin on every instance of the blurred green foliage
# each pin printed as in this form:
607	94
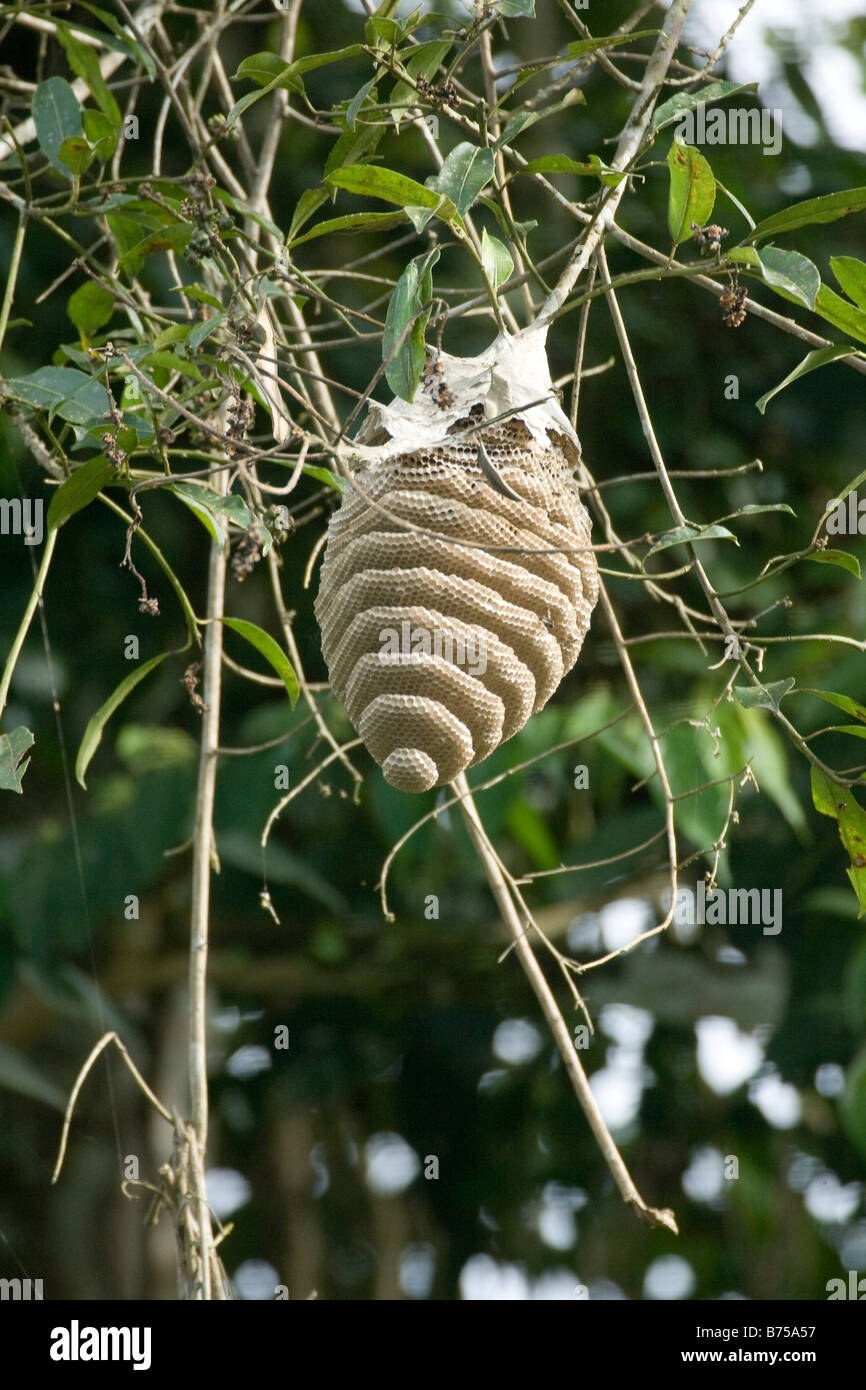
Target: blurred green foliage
392	1023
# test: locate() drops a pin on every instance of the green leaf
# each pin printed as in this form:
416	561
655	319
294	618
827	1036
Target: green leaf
57	117
561	164
465	172
851	275
97	722
841	558
90	307
63	391
751	507
352	222
764	696
818	358
496	259
79	490
403	347
175	333
372	181
516	9
270	650
265	68
521	120
843	702
200	501
368	90
583	46
849	317
743	211
85	64
682	535
172	363
100	133
308	203
12	749
199	294
792	273
826	209
840	803
171	238
204	329
121	42
692	190
687	101
857	730
351	147
272	72
324	475
76	155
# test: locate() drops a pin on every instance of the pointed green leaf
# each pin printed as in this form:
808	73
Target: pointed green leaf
583	46
789	271
352	222
818	358
272	72
836	310
843	702
682	535
672	109
12	749
96	724
851	275
84	63
562	164
203	330
63	391
496	259
79	490
521	120
465	172
90	307
840	558
270	650
368	90
372	181
57	117
692	190
403	346
826	209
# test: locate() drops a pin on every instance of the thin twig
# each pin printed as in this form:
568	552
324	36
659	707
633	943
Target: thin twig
558	1027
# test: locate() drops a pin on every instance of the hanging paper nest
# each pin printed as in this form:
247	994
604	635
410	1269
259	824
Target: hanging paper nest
458	580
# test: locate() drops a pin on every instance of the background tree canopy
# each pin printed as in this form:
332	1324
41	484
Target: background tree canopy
389	1116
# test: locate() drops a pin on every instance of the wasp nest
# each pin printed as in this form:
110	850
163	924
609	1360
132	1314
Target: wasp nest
458	579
